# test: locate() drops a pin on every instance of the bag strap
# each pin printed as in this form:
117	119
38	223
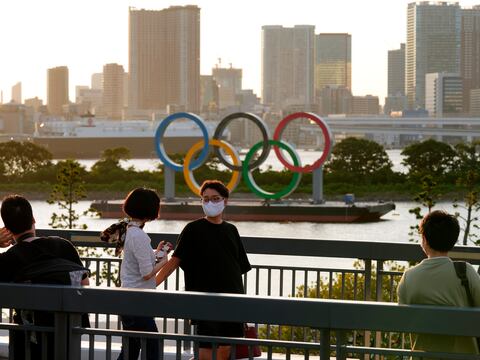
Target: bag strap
461	270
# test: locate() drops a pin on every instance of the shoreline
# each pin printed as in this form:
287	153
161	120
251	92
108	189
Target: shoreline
119	195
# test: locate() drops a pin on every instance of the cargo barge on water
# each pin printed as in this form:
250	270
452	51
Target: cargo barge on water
253	210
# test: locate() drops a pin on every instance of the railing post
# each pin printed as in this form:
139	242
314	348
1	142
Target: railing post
378	292
324	344
61	336
187	330
367	296
74	339
378	289
341	352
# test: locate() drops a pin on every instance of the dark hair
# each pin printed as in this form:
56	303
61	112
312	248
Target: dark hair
17	214
215	185
142	203
440	230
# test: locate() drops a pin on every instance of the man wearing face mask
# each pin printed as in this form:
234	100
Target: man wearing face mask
212	256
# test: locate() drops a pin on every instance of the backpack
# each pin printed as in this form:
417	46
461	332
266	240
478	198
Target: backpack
49	268
461	270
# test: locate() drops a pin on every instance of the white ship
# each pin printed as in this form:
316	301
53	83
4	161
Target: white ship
86	138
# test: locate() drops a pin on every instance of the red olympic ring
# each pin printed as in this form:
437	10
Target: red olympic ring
326	134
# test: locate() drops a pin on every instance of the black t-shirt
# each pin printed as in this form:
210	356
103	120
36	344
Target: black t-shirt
25	253
212	257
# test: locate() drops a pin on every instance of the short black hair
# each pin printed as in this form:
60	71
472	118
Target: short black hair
17	214
142	203
440	230
215	185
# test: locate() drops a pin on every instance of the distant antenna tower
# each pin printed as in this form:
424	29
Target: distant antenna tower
219	62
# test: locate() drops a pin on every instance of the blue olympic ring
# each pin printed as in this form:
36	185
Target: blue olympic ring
159	148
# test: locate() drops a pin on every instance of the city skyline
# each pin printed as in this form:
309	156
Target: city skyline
96	34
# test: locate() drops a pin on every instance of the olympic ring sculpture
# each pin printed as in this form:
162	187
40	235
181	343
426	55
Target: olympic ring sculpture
249	164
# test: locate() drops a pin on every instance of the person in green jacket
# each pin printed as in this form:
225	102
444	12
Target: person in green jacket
435	282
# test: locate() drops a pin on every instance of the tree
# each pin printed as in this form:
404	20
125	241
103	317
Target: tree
427	197
108	166
359	159
429	157
68	190
20	158
468	177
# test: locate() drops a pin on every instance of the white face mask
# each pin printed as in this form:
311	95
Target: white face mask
212	209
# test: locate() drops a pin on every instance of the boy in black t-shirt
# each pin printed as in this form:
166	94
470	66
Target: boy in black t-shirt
28	250
212	256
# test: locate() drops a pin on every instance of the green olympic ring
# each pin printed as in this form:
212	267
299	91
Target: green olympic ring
247	175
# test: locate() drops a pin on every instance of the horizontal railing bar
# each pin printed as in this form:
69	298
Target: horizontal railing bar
315	313
355	249
412	353
200	338
301	268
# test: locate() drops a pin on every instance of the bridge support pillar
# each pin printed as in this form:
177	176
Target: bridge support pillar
169	183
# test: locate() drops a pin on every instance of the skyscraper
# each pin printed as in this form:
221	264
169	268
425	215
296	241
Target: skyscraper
396	71
113	80
57	89
288	65
164	58
470	53
17	93
333	61
443	94
433	45
229	82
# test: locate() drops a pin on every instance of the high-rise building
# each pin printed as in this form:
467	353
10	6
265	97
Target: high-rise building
34	103
57	89
208	94
333	61
396	71
443	94
365	105
97	81
470	53
288	65
17	93
229	82
113	81
164	58
335	100
433	45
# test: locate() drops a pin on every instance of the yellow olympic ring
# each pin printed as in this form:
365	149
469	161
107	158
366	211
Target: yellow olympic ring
188	174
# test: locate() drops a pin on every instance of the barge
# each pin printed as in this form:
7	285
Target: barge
253	210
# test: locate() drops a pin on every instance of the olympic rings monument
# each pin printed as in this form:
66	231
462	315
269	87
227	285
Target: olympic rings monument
314	210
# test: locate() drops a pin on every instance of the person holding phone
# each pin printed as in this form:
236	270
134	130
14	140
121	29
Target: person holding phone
211	254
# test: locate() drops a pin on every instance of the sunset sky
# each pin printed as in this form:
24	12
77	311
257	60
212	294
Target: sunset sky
85	35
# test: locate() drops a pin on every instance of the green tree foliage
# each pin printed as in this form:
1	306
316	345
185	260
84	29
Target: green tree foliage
359	160
427	197
20	158
68	190
429	157
468	178
108	168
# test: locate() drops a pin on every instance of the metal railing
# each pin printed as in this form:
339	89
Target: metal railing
334	319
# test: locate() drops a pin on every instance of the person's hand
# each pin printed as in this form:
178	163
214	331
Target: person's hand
164	245
6	238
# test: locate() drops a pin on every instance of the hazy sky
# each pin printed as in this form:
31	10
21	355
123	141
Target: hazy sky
86	34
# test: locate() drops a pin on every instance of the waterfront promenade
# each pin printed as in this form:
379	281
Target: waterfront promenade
342	323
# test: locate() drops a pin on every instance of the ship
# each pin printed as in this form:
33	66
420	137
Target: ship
88	137
255	210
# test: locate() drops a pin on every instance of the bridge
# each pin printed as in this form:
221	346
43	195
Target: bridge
441	128
337	319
